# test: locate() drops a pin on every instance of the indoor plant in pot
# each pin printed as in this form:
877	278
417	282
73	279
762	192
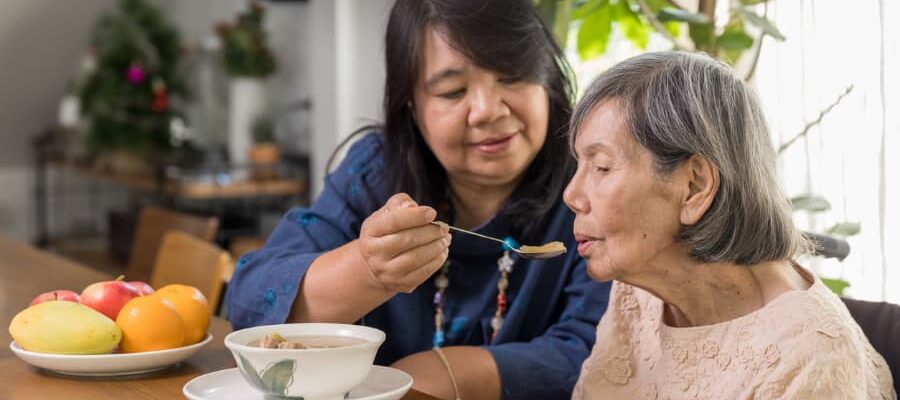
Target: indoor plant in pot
264	153
248	61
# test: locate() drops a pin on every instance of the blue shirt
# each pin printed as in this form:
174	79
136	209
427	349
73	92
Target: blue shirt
553	306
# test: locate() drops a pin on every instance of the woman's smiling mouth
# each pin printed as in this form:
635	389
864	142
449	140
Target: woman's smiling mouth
495	145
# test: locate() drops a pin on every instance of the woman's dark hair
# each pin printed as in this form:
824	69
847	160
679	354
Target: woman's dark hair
504	36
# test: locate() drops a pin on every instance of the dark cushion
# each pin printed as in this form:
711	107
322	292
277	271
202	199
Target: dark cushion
881	323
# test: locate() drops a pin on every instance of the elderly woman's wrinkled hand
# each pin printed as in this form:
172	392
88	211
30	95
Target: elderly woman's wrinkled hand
400	246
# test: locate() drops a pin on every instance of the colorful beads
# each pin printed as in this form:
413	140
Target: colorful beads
504	267
440	283
510	244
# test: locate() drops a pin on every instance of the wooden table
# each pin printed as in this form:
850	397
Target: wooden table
25	272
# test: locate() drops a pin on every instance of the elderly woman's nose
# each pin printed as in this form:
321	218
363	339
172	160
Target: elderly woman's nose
486	106
574	197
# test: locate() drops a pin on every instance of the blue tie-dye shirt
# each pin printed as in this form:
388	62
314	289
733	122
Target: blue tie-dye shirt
553	306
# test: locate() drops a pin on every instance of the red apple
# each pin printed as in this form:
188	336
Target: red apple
66	295
143	288
108	297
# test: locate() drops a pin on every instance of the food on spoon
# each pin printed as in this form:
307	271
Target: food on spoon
64	327
552	247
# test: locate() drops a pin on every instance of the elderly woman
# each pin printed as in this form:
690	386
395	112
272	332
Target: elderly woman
676	199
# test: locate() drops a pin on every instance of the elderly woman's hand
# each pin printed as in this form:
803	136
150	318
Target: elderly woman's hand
400	246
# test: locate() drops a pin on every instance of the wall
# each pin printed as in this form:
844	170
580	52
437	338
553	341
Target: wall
346	71
330	52
41	42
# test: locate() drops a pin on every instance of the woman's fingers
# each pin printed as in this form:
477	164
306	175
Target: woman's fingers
397	220
393	245
400	246
414	267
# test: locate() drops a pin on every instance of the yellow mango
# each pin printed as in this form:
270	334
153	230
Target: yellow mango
64	327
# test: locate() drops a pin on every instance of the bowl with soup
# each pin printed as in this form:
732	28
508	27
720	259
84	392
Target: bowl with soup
312	361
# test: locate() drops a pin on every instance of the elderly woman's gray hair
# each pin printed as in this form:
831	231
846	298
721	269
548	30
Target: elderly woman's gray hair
680	104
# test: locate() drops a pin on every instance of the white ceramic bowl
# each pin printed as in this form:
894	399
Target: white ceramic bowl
314	374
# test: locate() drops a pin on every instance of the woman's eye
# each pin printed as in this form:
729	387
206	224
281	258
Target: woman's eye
601	169
453	94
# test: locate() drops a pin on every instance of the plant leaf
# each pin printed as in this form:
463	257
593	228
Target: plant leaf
674	28
278	377
734	40
701	34
634	29
673	14
753	2
844	229
250	372
763	23
836	285
588	8
810	203
593	35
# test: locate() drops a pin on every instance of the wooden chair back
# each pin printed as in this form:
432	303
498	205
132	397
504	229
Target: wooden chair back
187	260
153	223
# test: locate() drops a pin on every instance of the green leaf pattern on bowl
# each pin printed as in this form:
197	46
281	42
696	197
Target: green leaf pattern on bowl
274	379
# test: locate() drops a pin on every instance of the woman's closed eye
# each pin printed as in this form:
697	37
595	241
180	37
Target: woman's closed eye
509	80
452	94
601	169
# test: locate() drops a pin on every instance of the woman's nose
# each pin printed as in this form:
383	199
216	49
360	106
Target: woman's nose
574	197
487	105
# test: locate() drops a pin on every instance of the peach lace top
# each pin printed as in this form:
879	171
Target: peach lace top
801	345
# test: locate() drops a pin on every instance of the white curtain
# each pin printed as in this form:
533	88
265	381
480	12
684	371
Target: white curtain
851	158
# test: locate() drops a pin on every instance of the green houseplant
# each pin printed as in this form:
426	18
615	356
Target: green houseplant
249	61
264	154
593	21
244	42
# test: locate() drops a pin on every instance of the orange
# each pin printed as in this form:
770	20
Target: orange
193	307
150	323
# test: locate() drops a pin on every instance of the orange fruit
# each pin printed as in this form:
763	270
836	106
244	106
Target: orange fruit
150	323
193	307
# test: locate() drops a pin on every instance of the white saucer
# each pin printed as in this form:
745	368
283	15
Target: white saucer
383	383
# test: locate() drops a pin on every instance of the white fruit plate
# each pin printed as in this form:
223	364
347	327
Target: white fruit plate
116	364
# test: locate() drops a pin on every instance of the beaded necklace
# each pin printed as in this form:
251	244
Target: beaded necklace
504	267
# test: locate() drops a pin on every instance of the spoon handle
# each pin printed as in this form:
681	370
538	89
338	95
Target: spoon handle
453	228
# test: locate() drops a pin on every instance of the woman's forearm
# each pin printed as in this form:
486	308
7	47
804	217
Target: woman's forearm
337	288
474	369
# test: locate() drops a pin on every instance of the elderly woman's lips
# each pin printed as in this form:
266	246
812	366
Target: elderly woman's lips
584	246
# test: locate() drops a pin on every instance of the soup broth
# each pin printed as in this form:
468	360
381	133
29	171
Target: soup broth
276	341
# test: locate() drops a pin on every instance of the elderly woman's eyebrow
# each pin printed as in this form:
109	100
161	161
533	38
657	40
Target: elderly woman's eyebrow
596	147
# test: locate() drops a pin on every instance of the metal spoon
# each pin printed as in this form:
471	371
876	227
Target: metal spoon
544	251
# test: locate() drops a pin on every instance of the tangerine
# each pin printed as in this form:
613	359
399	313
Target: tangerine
193	307
150	323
